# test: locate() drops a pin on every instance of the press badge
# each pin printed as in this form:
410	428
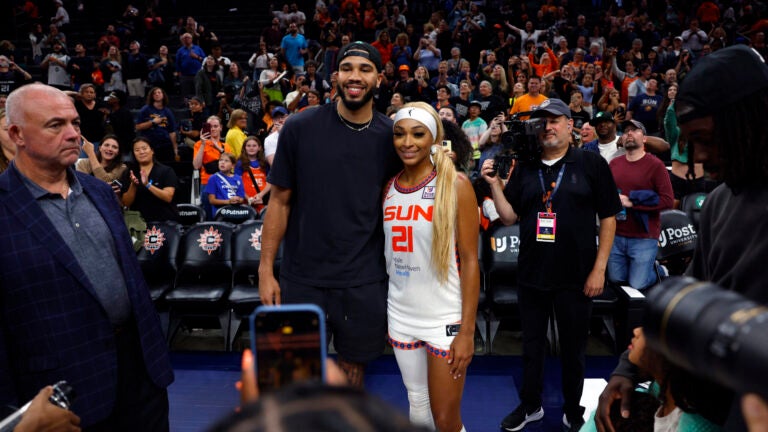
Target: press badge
545	227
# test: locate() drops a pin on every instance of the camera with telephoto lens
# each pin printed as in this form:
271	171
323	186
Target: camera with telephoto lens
712	332
520	142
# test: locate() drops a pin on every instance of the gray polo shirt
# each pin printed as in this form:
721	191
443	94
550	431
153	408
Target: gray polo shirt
89	238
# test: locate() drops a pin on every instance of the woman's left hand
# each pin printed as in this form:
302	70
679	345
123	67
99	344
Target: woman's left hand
462	350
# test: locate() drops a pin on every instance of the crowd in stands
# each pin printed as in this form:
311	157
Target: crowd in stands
476	62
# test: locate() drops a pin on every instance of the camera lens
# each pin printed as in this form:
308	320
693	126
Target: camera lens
710	331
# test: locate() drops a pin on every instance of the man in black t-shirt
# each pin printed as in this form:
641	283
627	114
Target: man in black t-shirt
556	198
327	178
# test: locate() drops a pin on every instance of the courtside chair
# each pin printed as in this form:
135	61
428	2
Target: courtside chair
246	256
157	259
204	276
500	251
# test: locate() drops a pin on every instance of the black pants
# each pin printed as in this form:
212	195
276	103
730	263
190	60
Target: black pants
573	310
140	404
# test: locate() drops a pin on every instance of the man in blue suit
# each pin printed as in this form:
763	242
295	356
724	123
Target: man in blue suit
73	304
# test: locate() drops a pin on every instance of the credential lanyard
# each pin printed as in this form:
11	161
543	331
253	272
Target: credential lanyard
547	196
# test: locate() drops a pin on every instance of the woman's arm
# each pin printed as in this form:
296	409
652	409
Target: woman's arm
467	221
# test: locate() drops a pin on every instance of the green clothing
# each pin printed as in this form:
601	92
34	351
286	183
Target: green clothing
672	132
689	422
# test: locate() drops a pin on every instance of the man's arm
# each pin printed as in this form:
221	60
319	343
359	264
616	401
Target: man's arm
595	282
656	145
273	231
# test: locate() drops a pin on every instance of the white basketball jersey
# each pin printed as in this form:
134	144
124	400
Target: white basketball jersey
417	300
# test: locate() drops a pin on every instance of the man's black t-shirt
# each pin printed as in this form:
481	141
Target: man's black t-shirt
336	175
586	189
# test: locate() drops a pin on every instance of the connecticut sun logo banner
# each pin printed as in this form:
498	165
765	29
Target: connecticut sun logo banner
153	240
210	240
256	239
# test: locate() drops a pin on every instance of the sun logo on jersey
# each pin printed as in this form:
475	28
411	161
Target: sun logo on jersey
256	239
153	240
210	240
429	192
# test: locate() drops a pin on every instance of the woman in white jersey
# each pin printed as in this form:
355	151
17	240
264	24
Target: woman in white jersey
430	225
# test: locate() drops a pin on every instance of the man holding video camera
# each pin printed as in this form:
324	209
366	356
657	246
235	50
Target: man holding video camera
556	193
721	109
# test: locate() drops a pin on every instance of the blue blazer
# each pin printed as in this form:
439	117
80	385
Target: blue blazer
52	327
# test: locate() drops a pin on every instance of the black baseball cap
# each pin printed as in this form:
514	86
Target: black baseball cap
362	49
600	117
720	79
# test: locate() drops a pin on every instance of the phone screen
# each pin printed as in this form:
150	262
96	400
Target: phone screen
206	129
288	343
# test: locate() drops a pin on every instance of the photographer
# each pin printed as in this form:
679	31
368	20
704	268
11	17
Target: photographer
555	193
721	109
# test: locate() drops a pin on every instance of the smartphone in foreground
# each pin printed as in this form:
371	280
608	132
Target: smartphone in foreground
206	129
288	344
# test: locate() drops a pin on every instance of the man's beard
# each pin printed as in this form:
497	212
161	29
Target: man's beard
354	105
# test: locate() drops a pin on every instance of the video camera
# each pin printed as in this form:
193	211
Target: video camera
520	142
710	331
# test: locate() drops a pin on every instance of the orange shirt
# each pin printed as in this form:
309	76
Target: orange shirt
210	154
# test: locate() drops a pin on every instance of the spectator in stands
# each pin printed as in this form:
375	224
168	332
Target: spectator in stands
236	134
106	164
587	133
259	61
189	60
294	47
624	78
644	190
428	55
207	152
531	100
492	104
401	51
93	113
56	64
157	124
272	35
54	35
121	121
527	34
384	45
61	18
152	185
253	167
432	362
278	115
610	102
490	141
638	86
7	147
271	80
645	106
568	291
208	83
579	115
135	70
694	38
474	126
81	66
112	70
106	40
12	76
161	70
224	187
191	126
37	42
